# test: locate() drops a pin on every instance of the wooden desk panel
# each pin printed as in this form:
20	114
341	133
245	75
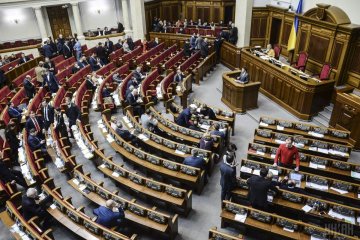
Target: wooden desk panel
304	99
345	116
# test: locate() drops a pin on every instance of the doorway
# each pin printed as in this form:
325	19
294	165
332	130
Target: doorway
59	21
228	14
275	31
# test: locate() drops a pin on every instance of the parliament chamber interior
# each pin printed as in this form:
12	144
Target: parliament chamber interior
169	119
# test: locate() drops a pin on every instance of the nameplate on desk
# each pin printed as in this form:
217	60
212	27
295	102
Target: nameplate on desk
355	174
240	217
260	153
339	190
319	135
102	166
245	169
273	156
179	152
316	166
274	171
115	174
280	128
323	150
143	137
279	141
342	154
76	181
256	172
306	208
317	186
53	206
263	124
288	229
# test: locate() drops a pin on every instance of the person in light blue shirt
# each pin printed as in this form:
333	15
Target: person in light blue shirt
77	48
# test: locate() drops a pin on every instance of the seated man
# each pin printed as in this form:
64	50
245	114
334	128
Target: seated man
117	78
217	131
179	76
82	62
138	74
75	68
110	215
195	161
37	123
126	135
118	45
184	117
8	175
31	209
244	76
206	142
14	112
134	82
51	81
134	101
148	121
23	59
194	123
207	112
90	85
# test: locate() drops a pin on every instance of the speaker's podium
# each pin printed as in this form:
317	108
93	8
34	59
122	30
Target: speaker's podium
239	97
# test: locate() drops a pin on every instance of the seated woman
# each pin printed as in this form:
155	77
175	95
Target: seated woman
270	51
206	142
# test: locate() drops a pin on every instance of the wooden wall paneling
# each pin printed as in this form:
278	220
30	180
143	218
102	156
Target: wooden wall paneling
216	14
318	47
189	12
336	54
286	33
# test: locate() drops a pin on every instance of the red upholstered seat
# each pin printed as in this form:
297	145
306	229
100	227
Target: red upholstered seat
301	62
325	72
277	50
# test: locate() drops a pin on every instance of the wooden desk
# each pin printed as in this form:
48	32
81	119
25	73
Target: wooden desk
237	96
304	99
345	116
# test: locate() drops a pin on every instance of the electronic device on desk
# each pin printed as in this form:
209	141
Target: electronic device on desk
170	165
188	170
242	184
136	179
297	177
317	205
89	225
169	144
140	154
285	124
280	136
235	209
111	236
304	77
302	127
183	148
317	233
300	141
262	217
128	147
252	165
318	161
303	157
287	224
73	216
184	130
153	159
59	205
263	133
137	210
342	166
339	134
121	171
156	138
121	202
320	130
342	186
318	180
319	144
174	192
200	153
103	194
344	211
340	148
338	237
154	185
294	72
257	148
157	217
173	127
292	197
267	120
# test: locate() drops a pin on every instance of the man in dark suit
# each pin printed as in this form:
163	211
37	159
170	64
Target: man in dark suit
23	59
120	27
207	112
118	45
132	100
51	81
90	85
59	124
228	177
37	123
48	52
49	65
48	114
184	117
129	90
35	142
187	48
106	91
204	48
14	112
126	135
258	190
8	175
132	82
101	52
131	43
109	46
93	62
83	62
195	161
73	114
217	45
244	76
11	135
75	68
31	209
178	76
67	52
110	215
138	74
29	87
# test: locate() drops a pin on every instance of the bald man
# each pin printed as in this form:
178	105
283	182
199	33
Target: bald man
110	215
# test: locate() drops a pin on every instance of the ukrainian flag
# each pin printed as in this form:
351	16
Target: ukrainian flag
294	29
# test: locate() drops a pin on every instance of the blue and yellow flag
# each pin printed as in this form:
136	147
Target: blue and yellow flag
294	29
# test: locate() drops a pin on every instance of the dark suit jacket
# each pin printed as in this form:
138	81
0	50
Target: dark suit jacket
60	123
244	78
29	88
67	52
184	117
90	85
208	112
48	52
228	177
109	47
131	82
107	217
93	64
204	49
34	143
131	99
50	65
14	112
82	64
100	52
187	50
178	78
50	113
75	69
118	46
207	145
138	76
24	60
258	191
12	139
131	43
30	124
120	27
197	162
5	173
51	82
124	134
73	113
30	208
106	93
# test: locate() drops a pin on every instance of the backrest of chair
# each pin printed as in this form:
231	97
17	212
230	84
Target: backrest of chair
325	71
303	56
277	50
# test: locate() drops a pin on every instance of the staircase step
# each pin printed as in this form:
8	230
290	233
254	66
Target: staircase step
325	115
329	109
321	122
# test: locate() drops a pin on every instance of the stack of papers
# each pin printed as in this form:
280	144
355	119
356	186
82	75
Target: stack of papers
313	148
158	91
142	137
59	163
299	145
76	181
316	166
317	186
278	127
204	126
109	138
115	174
273	156
256	172
116	99
245	169
279	141
260	153
274	172
263	124
179	152
306	208
339	190
323	150
319	135
355	174
334	152
94	100
240	217
340	216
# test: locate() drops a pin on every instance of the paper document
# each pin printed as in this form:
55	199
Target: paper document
306	208
76	181
260	153
355	174
278	127
339	190
240	217
263	124
245	169
179	152
256	172
115	174
288	229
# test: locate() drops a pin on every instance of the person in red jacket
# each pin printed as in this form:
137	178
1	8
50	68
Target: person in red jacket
286	154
